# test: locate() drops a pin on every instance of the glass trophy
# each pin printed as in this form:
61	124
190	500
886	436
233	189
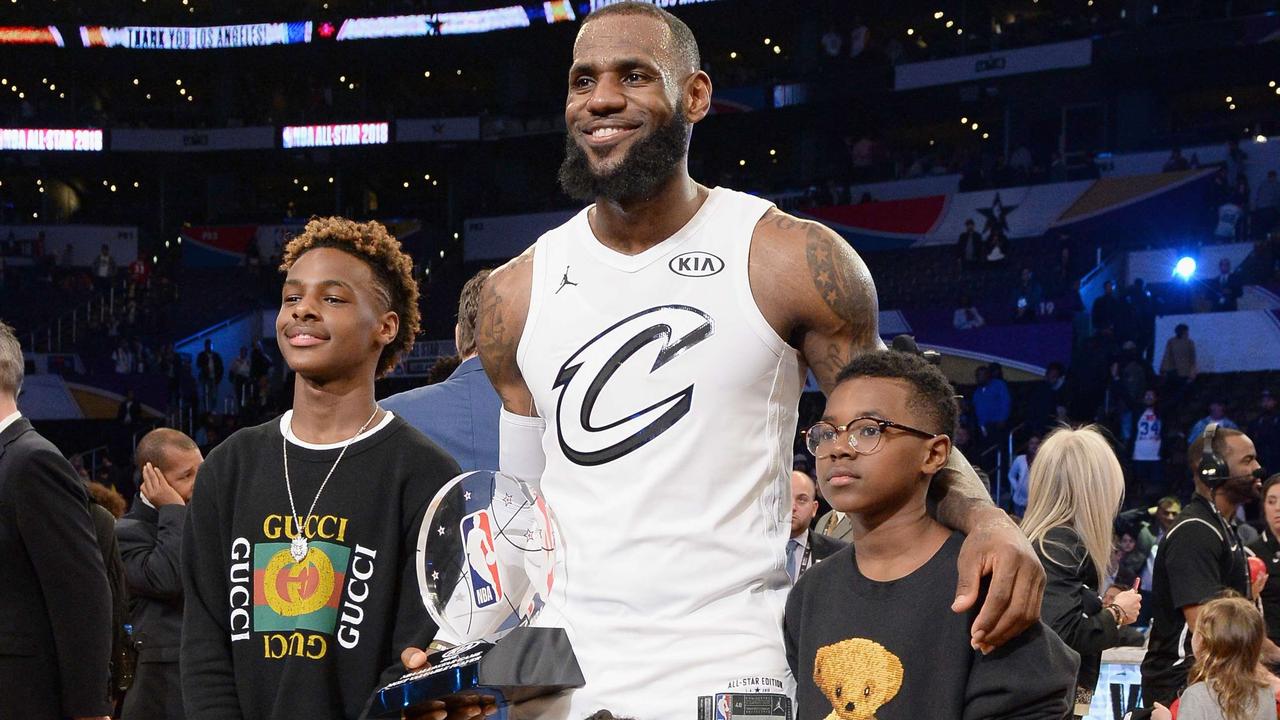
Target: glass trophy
488	556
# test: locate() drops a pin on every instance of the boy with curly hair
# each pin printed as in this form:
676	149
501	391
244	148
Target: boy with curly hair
298	551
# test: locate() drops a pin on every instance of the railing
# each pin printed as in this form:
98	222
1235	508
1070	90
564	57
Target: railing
89	458
1003	460
66	327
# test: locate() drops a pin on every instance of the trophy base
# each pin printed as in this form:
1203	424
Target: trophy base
527	663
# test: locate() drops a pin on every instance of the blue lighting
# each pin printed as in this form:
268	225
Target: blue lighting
1185	268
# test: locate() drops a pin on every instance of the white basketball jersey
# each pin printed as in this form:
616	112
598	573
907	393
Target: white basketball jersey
670	405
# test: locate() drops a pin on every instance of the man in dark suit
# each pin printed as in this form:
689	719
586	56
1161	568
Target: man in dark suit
150	543
209	367
806	547
55	605
1226	289
461	413
969	246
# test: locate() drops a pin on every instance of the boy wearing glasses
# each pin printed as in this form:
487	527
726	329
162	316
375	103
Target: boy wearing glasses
870	633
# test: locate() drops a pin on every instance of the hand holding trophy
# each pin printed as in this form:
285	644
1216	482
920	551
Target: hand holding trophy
488	555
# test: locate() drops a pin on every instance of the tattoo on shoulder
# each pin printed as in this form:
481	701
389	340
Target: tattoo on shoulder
839	282
845	286
493	335
491	326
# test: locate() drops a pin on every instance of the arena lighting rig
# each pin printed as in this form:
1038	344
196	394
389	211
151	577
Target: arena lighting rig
220	37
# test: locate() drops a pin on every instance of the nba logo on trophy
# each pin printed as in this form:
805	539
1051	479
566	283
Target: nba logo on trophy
482	558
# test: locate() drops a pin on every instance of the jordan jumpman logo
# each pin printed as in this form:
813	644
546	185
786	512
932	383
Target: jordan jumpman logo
565	281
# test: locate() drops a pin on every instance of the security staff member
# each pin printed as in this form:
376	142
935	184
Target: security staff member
1199	558
1267	547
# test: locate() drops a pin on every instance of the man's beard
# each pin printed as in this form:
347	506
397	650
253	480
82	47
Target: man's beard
649	163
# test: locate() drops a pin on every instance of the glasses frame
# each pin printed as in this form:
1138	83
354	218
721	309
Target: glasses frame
881	422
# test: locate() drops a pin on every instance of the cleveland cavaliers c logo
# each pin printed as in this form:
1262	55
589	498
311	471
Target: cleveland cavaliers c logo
587	440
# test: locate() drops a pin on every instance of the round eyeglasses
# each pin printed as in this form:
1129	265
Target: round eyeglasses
864	433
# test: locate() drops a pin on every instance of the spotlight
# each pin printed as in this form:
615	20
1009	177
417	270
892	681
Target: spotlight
1185	268
777	50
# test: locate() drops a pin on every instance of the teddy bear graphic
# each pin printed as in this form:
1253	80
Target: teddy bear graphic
858	676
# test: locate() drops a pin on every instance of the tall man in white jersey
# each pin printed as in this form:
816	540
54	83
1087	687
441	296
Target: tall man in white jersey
653	396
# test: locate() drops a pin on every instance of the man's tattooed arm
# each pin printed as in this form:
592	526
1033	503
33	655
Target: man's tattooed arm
504	307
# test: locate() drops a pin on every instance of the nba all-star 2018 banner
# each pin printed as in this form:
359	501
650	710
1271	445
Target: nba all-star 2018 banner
51	139
1132	207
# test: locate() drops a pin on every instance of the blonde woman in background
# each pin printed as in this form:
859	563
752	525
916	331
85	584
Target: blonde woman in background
1074	492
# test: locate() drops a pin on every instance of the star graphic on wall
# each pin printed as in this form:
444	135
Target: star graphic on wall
997	215
440	530
466	495
435	574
